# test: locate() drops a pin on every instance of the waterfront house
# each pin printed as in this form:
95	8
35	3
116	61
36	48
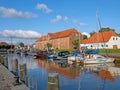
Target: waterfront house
101	40
59	40
3	43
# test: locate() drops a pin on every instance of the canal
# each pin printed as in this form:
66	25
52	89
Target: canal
49	75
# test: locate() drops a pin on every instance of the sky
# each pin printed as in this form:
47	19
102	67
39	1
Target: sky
30	19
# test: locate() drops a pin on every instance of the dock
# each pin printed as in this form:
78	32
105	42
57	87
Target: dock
8	80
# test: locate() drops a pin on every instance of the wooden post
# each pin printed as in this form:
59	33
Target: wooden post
23	72
5	62
1	60
53	81
15	66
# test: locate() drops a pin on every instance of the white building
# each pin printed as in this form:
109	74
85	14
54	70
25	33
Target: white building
101	40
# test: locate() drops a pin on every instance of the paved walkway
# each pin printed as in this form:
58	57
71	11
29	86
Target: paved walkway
8	82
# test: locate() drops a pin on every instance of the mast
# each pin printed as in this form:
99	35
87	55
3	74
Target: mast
97	44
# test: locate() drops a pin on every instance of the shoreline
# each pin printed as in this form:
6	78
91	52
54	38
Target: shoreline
113	55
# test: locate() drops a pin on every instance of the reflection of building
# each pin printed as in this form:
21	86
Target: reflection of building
59	40
69	72
107	71
53	81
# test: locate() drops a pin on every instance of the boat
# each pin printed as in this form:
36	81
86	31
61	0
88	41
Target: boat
41	55
90	59
96	58
62	55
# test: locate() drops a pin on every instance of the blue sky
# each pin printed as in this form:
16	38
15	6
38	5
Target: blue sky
32	18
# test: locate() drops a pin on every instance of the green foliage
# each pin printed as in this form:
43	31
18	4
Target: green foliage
49	45
85	37
92	33
119	34
76	43
69	50
6	46
106	29
109	50
21	44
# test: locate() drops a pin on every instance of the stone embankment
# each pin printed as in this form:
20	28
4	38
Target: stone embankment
113	55
8	80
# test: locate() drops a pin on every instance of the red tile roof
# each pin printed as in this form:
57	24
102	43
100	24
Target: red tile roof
3	43
60	34
99	37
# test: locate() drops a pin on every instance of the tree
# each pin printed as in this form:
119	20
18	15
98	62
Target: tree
21	44
85	37
49	46
104	29
76	43
92	33
119	34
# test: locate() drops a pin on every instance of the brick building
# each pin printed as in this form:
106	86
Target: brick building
59	40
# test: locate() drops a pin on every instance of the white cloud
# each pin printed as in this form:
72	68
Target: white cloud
10	12
82	24
44	7
20	34
57	19
87	34
65	18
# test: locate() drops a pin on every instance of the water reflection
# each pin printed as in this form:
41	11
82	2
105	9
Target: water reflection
46	75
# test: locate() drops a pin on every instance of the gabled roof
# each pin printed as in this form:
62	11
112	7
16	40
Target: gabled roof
42	38
60	34
99	37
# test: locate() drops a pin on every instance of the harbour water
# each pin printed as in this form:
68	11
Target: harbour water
49	75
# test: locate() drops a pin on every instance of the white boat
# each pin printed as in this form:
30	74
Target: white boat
96	58
74	59
90	59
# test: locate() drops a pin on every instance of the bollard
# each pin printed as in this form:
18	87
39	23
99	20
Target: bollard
5	60
1	59
53	81
15	67
23	72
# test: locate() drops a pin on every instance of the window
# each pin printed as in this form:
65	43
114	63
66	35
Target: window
113	38
106	45
116	38
101	45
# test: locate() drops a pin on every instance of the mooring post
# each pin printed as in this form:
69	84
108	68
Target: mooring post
15	66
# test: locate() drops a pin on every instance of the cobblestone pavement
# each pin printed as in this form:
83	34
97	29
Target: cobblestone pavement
8	82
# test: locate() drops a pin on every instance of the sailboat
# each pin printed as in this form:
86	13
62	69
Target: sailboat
91	58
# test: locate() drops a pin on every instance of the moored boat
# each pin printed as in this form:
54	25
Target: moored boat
90	59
